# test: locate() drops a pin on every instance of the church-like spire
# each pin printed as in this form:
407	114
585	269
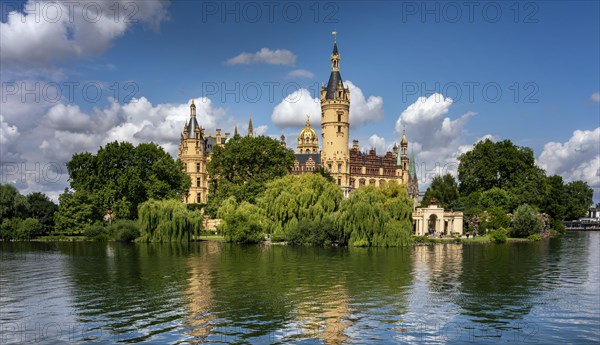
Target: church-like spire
250	128
192	109
235	132
412	171
335	78
192	127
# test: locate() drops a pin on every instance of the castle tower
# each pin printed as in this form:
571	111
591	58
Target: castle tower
193	156
308	141
335	124
404	154
250	127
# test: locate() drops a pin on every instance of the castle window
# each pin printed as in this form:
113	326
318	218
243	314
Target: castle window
339	168
184	166
329	167
198	199
197	167
361	182
340	94
197	182
339	181
339	129
339	117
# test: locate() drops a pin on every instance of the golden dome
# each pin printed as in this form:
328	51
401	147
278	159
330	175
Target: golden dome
404	141
307	134
308	141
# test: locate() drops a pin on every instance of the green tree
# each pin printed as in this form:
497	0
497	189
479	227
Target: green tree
168	221
42	209
27	229
526	221
124	230
12	203
76	211
444	189
376	216
496	197
121	176
555	204
301	208
243	223
579	199
500	164
494	218
243	167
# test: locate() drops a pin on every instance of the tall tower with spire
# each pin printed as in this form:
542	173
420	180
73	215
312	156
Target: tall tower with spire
192	153
335	124
250	128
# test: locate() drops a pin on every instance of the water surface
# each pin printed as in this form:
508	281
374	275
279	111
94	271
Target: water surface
545	292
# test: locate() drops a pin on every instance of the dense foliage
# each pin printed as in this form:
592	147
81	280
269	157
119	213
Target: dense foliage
76	211
310	210
526	222
24	217
301	208
376	216
120	176
242	223
444	189
243	167
124	230
495	178
168	221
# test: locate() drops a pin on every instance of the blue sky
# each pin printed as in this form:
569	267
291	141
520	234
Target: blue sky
544	57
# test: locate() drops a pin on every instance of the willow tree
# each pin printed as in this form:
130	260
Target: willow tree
168	221
376	216
242	223
301	208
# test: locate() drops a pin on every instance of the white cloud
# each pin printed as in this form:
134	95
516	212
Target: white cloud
137	121
301	73
434	137
47	32
576	159
378	143
8	139
67	129
595	97
292	110
363	110
265	55
261	130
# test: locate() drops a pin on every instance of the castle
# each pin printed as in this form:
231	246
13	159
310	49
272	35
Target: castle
349	167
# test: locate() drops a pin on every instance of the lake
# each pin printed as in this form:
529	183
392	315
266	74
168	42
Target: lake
544	292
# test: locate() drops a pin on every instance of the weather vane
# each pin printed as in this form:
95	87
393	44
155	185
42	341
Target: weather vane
334	33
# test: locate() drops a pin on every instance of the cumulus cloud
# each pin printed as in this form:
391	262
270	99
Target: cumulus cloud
8	138
301	73
66	129
434	137
576	159
363	109
595	97
261	130
47	32
265	55
378	143
292	110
